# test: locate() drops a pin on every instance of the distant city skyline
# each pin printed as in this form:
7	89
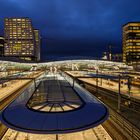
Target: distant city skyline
74	27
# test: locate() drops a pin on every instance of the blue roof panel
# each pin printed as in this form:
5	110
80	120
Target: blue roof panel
20	117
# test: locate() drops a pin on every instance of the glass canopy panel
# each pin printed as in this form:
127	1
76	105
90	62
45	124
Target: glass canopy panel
54	94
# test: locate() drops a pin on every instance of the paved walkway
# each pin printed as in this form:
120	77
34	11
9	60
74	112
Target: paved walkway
98	133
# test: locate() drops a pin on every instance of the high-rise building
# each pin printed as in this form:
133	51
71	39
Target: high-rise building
131	43
20	39
1	46
38	43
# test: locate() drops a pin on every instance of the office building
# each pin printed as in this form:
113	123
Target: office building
131	43
20	39
1	46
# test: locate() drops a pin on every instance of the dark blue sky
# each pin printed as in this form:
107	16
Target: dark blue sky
75	27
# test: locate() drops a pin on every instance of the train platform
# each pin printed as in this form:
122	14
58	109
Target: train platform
11	87
97	133
107	84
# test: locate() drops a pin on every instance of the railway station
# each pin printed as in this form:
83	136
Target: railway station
63	100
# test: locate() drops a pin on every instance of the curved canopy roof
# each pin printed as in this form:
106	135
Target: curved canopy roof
22	116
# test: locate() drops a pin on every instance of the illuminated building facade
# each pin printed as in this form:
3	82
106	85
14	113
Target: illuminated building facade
1	46
131	43
20	39
38	43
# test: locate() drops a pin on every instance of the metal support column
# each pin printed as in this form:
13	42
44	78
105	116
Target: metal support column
97	81
129	86
129	90
119	93
56	136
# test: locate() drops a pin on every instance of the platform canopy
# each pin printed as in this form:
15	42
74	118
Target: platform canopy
54	107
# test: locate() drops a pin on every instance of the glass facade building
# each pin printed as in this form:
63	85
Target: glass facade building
131	43
20	38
